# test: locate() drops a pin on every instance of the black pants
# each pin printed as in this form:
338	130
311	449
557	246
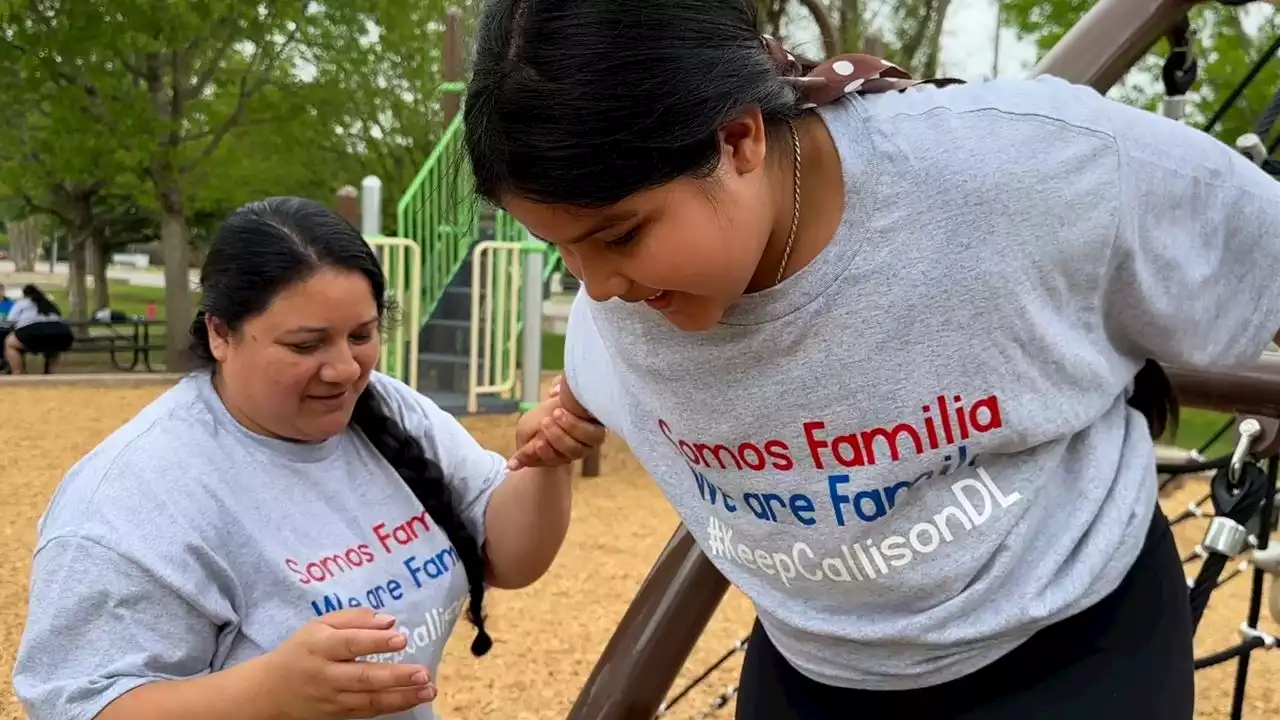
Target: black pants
1129	656
48	338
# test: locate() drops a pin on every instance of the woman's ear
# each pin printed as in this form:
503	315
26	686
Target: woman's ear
219	338
743	142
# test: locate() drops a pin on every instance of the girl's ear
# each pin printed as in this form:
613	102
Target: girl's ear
743	142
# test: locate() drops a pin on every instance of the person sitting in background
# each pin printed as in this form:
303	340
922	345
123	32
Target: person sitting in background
5	326
38	329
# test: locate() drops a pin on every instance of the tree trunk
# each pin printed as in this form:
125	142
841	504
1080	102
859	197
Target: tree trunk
826	26
851	27
933	46
769	17
74	205
77	288
175	240
25	240
909	54
99	251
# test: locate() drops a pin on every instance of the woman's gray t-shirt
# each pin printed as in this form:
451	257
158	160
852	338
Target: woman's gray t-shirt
185	544
915	452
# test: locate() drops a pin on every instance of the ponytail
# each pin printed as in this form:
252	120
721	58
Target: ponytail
1153	396
426	481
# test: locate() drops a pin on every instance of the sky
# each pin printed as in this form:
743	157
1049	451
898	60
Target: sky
968	42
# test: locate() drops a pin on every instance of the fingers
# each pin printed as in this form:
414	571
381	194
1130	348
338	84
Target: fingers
558	438
555	386
584	432
561	439
383	702
372	677
356	618
349	644
527	455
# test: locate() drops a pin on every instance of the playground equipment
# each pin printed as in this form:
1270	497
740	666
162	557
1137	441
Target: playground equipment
401	261
478	308
495	327
660	628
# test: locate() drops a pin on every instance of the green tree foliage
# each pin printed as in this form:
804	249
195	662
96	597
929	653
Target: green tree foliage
908	32
1229	41
179	111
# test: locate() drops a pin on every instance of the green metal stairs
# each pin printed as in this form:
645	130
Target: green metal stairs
439	211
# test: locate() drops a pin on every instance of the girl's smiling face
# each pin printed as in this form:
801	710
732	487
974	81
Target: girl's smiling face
688	248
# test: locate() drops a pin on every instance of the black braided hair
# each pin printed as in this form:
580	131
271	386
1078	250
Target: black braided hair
426	480
1154	396
270	245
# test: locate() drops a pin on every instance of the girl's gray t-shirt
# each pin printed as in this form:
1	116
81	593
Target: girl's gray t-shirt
915	452
185	544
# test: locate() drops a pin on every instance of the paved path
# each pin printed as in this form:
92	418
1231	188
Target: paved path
151	277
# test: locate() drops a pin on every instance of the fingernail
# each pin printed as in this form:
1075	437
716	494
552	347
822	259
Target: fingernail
512	464
397	642
384	618
559	414
428	692
546	423
420	678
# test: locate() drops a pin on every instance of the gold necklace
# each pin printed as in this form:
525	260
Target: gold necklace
795	210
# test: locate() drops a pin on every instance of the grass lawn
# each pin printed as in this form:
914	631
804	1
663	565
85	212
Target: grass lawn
128	299
1195	427
133	300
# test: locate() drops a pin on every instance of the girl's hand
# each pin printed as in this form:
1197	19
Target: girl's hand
554	433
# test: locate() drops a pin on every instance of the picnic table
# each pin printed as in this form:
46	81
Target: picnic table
127	341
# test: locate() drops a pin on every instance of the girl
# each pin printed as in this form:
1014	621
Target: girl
38	329
223	554
890	349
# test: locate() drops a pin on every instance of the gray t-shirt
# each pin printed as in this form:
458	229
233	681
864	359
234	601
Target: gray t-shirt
185	544
916	452
24	312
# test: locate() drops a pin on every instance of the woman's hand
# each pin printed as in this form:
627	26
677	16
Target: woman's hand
555	432
316	677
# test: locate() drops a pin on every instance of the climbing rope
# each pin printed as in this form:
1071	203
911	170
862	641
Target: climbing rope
1242	515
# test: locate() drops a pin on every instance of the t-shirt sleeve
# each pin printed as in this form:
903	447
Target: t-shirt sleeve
588	368
22	311
1194	273
99	625
472	471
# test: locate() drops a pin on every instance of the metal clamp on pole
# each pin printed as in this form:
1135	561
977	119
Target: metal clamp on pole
1225	537
1250	428
1250	145
1179	71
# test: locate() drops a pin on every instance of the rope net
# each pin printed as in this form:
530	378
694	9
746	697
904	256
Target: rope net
1235	478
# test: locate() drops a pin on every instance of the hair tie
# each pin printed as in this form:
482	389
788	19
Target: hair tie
840	75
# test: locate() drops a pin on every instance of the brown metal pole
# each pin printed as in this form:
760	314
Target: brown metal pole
1255	390
346	202
655	637
1109	39
591	463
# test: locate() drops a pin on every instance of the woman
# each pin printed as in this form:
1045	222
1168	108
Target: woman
38	329
230	551
890	349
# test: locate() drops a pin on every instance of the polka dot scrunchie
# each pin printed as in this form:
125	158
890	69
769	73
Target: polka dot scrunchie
841	75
